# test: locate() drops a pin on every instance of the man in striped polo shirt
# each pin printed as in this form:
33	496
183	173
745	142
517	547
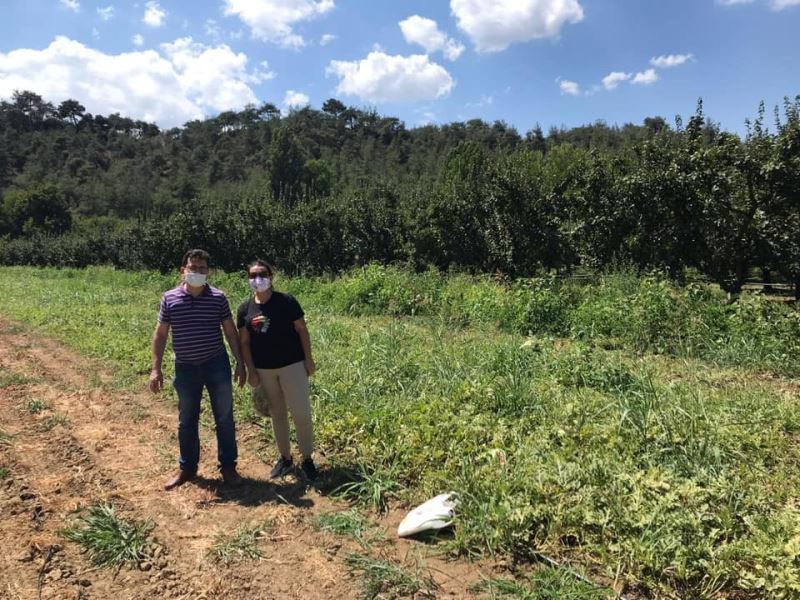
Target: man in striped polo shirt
195	311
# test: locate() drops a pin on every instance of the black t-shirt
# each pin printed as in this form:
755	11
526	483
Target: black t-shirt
274	342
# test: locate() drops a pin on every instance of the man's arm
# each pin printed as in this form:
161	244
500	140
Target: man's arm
305	342
159	344
233	341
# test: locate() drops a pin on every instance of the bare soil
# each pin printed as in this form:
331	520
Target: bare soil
72	440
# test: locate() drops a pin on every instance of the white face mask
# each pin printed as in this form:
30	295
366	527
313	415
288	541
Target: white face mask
195	279
261	284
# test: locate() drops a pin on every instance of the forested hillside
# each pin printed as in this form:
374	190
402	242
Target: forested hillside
323	190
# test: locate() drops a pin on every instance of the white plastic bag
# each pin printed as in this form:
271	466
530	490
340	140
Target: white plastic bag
436	513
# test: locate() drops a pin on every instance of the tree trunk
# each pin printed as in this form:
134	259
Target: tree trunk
766	275
797	286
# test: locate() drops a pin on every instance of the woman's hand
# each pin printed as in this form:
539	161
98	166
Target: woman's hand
310	366
253	379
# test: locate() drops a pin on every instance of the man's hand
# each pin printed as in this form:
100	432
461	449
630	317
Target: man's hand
253	379
156	381
240	374
310	366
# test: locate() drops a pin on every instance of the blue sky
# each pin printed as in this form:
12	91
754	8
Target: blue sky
553	62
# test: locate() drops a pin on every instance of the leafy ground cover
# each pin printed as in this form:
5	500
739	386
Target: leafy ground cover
644	434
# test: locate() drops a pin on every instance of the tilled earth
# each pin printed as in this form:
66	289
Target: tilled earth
70	440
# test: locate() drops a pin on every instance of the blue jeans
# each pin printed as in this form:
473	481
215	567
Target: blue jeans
214	375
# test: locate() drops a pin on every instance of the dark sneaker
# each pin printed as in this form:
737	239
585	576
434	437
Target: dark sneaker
282	467
309	469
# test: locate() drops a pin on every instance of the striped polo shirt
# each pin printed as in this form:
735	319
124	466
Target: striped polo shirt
195	323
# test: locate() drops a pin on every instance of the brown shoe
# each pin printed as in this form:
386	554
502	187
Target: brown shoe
179	479
230	476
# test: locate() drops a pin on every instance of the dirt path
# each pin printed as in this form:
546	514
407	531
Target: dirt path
69	440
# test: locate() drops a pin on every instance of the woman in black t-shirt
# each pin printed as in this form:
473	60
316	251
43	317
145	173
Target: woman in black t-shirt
276	347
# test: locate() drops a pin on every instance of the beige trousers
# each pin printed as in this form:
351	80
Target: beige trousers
287	388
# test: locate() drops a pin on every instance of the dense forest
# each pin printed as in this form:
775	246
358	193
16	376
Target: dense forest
323	190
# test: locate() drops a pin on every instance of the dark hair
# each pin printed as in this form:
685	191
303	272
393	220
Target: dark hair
196	254
260	262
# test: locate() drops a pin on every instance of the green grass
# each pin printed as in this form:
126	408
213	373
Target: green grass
384	579
350	523
371	486
241	545
642	429
547	583
36	405
9	379
108	540
4	473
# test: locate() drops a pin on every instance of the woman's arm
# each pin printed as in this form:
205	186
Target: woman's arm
247	355
305	342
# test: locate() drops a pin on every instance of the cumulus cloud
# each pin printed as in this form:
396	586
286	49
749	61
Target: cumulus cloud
648	77
381	77
273	20
154	15
568	87
72	5
326	39
183	81
137	40
613	79
426	33
667	61
494	26
294	99
105	13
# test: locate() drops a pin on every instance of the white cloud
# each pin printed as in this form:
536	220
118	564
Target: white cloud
326	39
273	20
154	15
667	61
105	13
495	25
184	80
426	33
294	99
72	5
734	2
612	80
453	49
648	77
569	87
137	40
381	77
214	76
